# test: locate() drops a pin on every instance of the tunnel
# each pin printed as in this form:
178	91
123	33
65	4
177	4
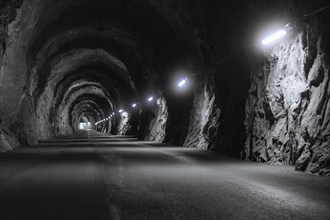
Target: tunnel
164	109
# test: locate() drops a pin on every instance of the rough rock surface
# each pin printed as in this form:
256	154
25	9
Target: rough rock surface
64	62
288	108
123	125
203	121
157	125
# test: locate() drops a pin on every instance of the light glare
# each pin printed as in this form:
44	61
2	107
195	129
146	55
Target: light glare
150	99
182	82
120	110
134	105
273	37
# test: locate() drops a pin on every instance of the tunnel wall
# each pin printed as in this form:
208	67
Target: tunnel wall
204	119
288	109
156	130
123	124
270	107
17	111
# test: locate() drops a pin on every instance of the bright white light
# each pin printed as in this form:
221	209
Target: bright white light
150	99
85	125
134	105
182	82
120	110
273	37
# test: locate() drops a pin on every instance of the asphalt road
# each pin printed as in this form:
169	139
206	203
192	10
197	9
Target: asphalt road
118	177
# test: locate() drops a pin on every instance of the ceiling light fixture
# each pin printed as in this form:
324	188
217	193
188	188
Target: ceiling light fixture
150	98
273	37
183	82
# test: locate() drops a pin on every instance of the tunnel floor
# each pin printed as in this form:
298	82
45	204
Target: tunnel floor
94	176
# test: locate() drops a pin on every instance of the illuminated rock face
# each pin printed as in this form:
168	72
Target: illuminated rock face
157	125
123	125
64	61
204	119
288	108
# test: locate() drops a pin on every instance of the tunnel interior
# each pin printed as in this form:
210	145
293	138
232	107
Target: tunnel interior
117	67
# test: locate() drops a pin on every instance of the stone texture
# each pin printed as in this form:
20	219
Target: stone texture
66	61
123	125
157	125
287	111
204	120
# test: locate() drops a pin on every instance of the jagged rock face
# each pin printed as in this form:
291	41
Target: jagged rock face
203	120
67	62
288	109
158	123
123	124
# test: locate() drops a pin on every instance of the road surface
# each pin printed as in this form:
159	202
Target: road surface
91	176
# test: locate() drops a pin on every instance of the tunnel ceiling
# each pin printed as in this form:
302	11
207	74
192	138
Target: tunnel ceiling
86	58
65	62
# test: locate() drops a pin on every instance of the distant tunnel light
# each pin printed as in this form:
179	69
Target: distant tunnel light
81	125
274	37
150	98
182	82
120	110
85	125
134	105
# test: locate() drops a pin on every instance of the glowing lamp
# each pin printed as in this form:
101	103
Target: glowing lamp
150	99
274	37
134	105
182	82
120	110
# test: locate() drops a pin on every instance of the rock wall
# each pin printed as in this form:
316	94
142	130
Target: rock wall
157	125
27	122
204	119
123	125
53	56
16	127
288	109
7	15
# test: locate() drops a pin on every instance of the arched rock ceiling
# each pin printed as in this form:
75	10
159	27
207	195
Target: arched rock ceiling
91	99
86	106
112	49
